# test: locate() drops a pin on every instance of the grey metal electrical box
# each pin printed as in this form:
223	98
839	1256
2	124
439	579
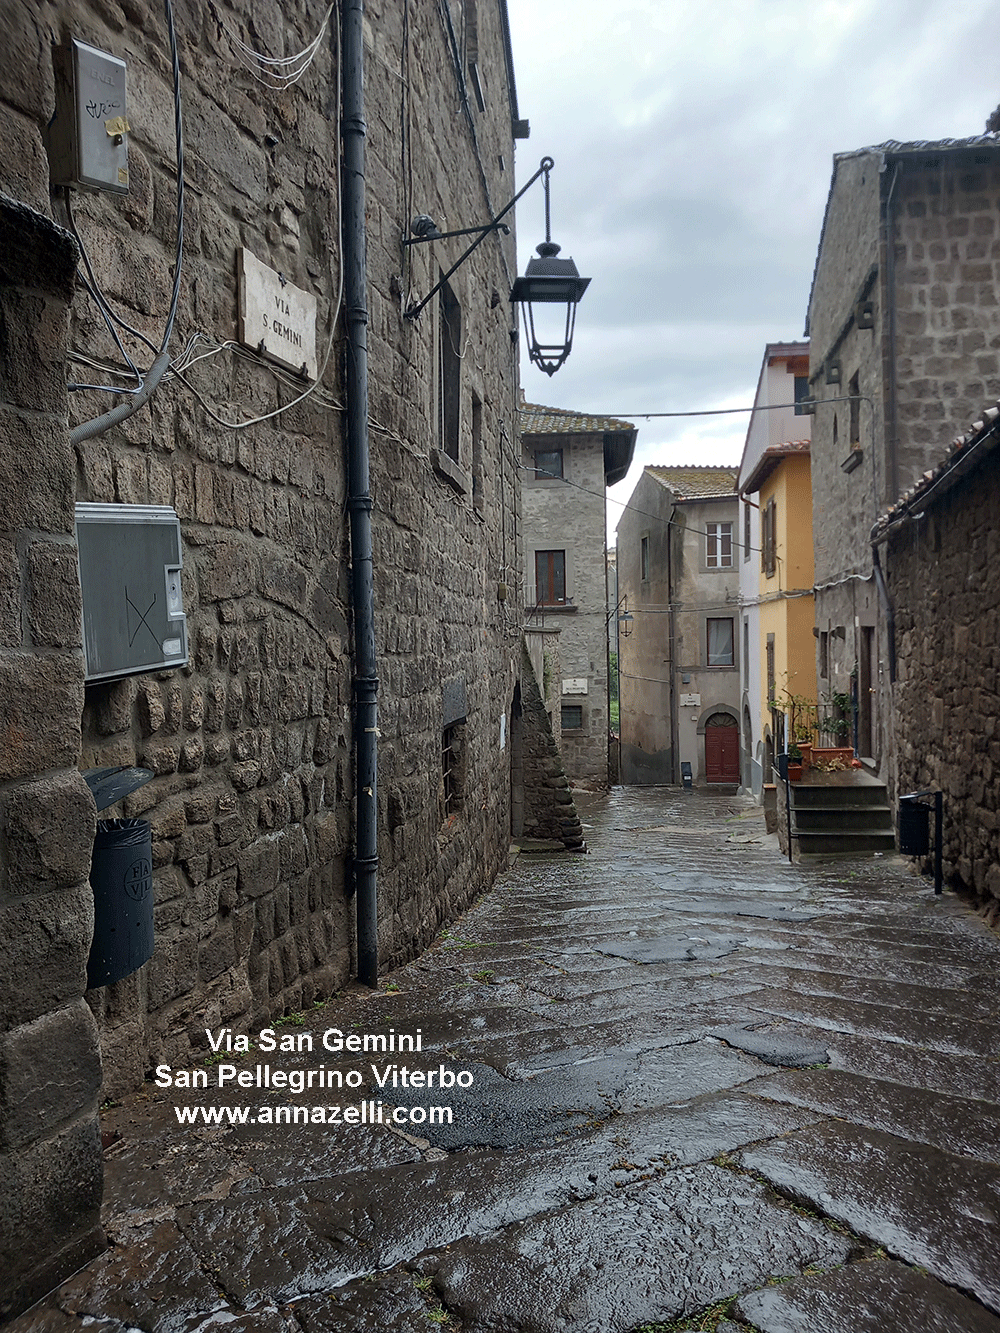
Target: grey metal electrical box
130	577
87	139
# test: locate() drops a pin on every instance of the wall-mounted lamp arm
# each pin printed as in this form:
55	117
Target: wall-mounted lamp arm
496	225
464	231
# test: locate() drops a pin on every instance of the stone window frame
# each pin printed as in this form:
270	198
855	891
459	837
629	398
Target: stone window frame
644	557
716	535
577	711
548	473
552	553
449	373
707	638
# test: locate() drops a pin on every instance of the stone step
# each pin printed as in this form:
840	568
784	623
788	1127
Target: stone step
845	841
818	819
878	1297
927	1207
824	794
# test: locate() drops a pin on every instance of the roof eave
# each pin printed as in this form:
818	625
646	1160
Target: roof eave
619	448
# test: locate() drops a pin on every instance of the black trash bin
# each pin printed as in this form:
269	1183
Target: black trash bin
687	778
914	827
121	876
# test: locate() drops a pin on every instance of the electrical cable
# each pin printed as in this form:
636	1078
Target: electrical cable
625	504
89	429
704	412
93	286
89	282
278	72
187	359
179	369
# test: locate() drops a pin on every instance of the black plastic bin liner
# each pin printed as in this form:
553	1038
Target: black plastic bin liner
914	827
121	876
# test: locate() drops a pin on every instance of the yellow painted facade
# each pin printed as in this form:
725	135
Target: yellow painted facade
786	598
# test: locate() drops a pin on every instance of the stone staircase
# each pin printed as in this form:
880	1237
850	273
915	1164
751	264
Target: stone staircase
841	813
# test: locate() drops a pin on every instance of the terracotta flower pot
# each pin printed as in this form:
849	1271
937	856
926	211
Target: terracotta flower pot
820	754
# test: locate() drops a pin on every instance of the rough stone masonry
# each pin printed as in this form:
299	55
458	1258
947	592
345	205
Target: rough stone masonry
251	743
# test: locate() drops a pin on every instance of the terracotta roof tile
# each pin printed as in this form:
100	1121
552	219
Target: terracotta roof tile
958	459
538	420
697	483
770	459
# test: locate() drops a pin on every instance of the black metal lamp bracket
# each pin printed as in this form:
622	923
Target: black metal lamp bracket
480	234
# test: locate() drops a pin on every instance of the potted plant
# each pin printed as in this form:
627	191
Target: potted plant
794	762
836	724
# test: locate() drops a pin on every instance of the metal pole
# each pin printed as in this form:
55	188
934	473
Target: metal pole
938	831
359	501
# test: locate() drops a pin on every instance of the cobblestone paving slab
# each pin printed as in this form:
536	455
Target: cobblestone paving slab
773	1046
153	1281
604	1170
864	1298
892	1023
953	1124
935	998
925	1206
655	1252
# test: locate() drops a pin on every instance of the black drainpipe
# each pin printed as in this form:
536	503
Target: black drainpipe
359	500
891	479
890	612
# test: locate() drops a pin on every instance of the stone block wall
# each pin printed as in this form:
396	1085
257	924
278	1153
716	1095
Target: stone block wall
50	1066
917	231
569	515
947	228
845	505
550	815
942	573
251	743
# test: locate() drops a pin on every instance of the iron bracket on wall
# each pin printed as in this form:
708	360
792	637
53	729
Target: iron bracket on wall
432	234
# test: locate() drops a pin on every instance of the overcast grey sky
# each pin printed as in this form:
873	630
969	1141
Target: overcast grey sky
693	145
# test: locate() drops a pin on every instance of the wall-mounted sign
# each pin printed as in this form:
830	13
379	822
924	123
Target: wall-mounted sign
574	685
277	319
690	700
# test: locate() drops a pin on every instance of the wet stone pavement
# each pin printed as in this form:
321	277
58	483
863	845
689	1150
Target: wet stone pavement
703	1080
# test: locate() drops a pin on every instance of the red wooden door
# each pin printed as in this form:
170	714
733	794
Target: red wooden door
722	749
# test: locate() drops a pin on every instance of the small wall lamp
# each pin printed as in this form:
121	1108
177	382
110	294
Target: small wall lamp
547	281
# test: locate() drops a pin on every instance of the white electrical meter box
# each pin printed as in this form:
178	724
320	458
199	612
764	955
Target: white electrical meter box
130	577
87	139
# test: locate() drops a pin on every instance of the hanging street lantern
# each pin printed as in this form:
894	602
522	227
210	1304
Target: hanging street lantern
548	281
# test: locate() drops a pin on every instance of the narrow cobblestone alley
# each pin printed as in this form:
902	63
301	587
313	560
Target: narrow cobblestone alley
703	1078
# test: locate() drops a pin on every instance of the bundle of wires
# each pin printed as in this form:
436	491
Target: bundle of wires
279	72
